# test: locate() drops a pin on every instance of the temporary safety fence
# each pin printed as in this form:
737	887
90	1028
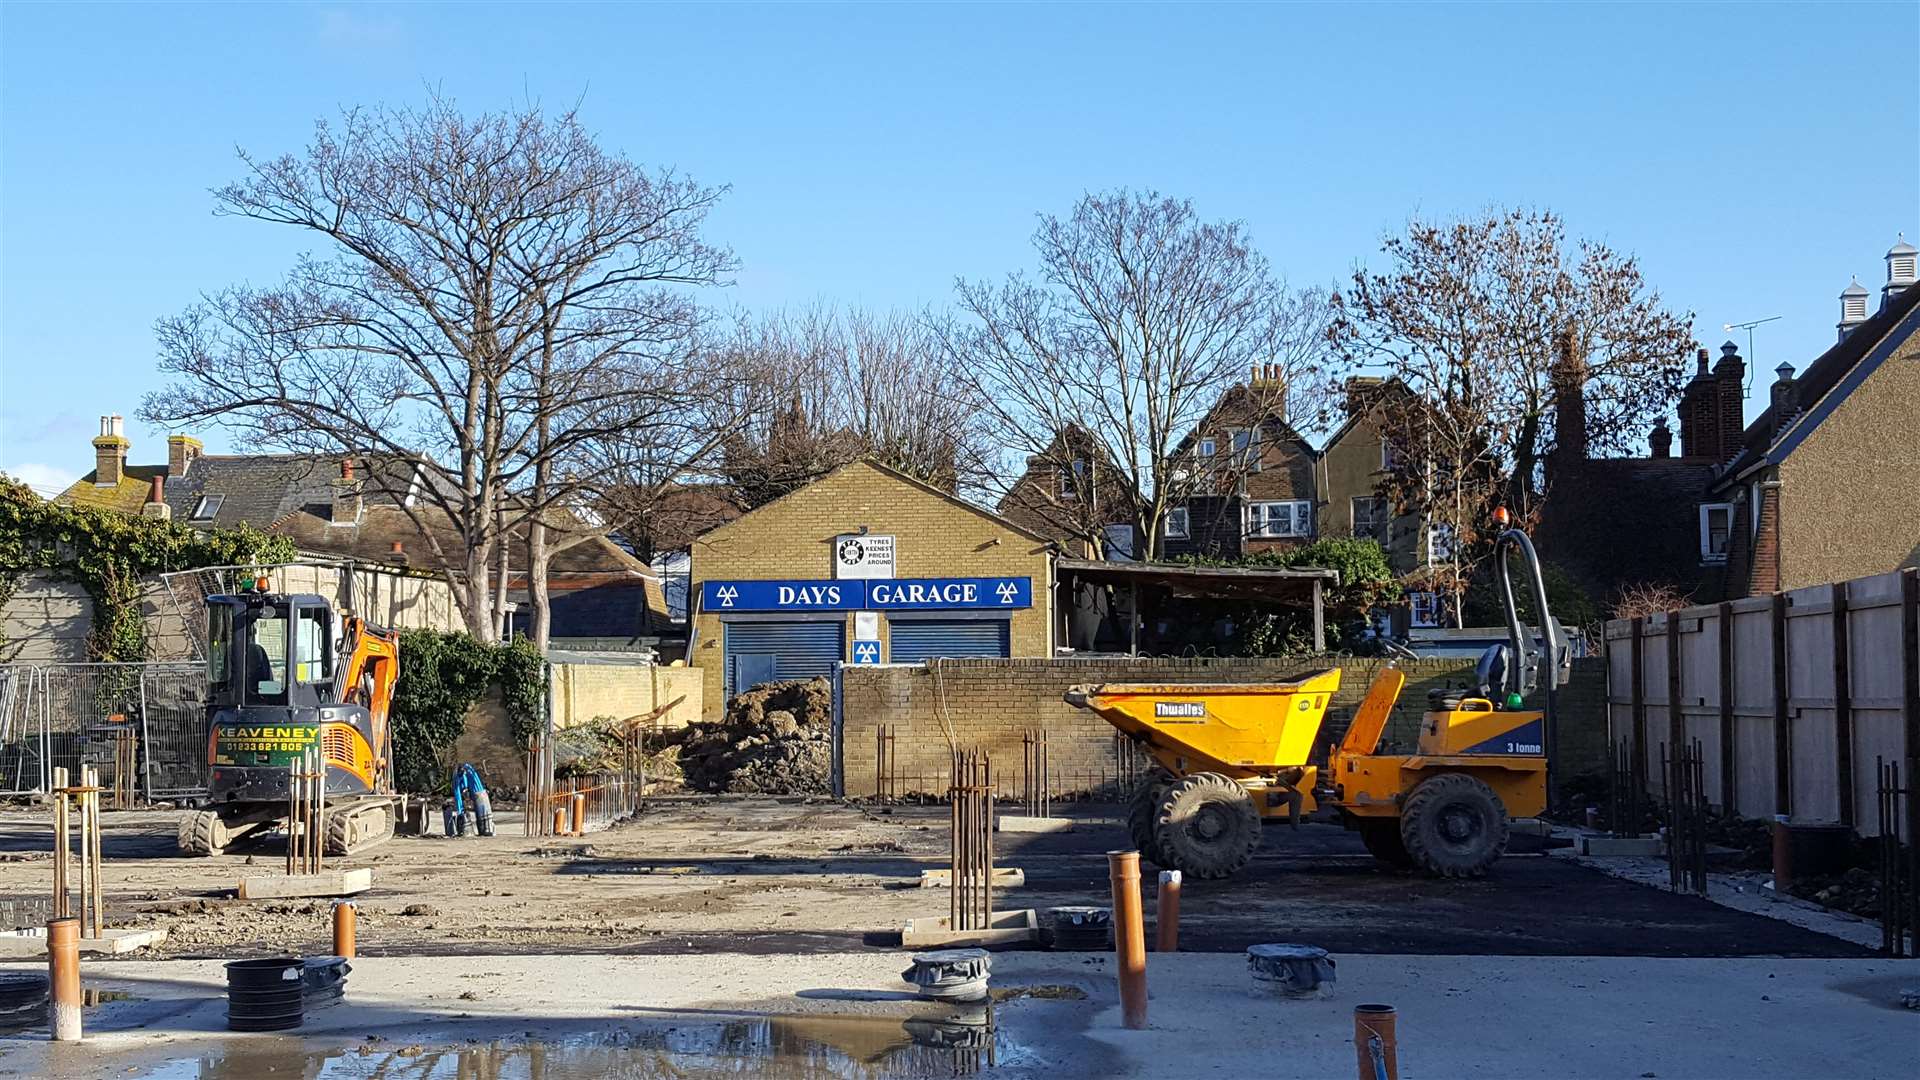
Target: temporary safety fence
142	727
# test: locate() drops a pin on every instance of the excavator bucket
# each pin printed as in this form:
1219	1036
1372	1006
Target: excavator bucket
1370	719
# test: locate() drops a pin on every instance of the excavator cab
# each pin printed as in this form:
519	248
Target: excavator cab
286	673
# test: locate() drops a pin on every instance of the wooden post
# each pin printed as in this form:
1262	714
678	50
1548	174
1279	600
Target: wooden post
1676	723
1729	792
1133	618
1842	706
93	842
1782	723
1639	669
1320	619
62	847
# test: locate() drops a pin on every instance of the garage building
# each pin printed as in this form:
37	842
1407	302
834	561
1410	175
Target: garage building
864	566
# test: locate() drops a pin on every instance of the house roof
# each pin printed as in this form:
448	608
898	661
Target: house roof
1826	383
128	496
1634	521
1285	584
260	489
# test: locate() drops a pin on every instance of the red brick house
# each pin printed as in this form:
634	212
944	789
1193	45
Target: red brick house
1248	477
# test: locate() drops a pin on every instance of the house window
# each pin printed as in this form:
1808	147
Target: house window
1246	448
1272	520
1716	524
1370	517
1389	457
207	507
1207	447
1175	526
1119	542
1070	479
1439	544
1425	608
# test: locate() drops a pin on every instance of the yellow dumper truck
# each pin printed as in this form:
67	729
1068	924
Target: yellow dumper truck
1233	754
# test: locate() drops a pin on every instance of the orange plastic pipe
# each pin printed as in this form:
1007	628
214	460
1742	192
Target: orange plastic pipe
343	928
1129	937
579	814
63	969
1371	1022
1166	913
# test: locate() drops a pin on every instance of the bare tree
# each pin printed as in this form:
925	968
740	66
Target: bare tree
1141	317
831	386
483	280
1491	323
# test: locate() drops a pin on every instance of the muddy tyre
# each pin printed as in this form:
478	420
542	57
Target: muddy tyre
1382	838
202	833
1206	826
1453	825
1142	807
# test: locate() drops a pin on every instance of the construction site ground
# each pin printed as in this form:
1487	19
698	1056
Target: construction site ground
736	936
760	875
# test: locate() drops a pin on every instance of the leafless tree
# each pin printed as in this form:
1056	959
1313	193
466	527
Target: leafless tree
829	386
1141	317
496	297
1489	322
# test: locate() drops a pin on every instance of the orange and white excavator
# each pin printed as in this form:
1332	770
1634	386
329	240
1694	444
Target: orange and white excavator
286	673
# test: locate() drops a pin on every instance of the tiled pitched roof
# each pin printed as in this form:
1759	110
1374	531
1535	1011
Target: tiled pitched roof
1618	522
260	489
128	496
1821	378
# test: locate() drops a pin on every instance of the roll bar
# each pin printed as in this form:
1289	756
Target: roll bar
1526	658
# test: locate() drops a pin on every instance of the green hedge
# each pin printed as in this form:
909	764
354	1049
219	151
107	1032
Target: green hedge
442	675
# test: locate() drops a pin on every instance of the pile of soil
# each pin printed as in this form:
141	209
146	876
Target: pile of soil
776	739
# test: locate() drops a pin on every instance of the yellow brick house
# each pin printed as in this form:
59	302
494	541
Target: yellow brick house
865	565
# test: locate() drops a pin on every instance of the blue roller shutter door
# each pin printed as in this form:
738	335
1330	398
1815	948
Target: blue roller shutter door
777	651
914	640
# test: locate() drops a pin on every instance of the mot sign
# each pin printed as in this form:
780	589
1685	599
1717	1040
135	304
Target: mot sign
857	556
884	594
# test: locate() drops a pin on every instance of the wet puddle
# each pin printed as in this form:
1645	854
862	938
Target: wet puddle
23	1005
959	1041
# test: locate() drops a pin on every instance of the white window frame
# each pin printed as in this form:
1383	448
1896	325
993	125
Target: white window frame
1116	541
1181	531
1439	543
1387	455
1068	481
1207	447
1380	508
1707	554
207	508
1423	609
1258	519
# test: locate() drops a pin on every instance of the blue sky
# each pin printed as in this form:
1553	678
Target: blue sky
1754	158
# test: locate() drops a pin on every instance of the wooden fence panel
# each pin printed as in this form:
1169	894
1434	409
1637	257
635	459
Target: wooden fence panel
1791	698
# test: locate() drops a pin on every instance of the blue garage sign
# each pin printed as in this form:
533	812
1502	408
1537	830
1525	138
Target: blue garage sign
885	594
866	652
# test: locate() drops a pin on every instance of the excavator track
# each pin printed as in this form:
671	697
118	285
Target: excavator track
202	833
354	829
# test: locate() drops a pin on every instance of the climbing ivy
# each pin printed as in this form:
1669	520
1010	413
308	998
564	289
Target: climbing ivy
108	553
442	676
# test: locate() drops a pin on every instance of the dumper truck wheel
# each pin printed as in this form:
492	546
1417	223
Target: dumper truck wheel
1454	826
1207	826
1382	837
1142	808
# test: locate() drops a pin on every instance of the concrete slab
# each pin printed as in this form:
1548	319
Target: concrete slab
1006	928
1014	823
1621	847
1636	1015
1004	877
32	942
286	886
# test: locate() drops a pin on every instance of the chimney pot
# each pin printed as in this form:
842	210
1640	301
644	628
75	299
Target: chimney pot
1661	439
1785	371
110	453
346	468
156	506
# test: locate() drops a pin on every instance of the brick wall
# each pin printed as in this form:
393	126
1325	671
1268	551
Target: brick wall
990	703
935	536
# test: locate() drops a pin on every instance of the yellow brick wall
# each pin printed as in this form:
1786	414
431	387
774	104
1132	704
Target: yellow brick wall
584	692
934	536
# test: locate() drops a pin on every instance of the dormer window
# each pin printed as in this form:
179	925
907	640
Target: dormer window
207	507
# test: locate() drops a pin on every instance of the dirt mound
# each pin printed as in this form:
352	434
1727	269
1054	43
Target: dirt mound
776	739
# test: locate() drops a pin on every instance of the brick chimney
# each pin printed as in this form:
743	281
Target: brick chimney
1360	393
1696	412
348	502
1730	372
156	505
1569	379
1660	439
181	452
1782	398
398	555
1271	386
110	452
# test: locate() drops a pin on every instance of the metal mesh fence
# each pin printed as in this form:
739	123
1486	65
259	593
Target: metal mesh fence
142	726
